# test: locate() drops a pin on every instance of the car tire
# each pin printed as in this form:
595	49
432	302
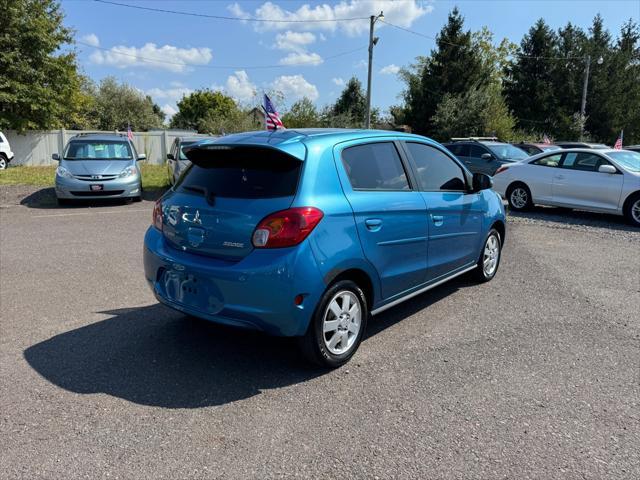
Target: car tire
335	322
519	197
632	209
490	256
4	163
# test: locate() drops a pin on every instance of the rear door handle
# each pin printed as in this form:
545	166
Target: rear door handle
438	220
373	224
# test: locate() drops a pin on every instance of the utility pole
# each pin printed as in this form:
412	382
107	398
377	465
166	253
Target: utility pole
585	87
583	105
372	41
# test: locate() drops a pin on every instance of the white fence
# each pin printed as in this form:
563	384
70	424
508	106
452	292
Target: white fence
36	147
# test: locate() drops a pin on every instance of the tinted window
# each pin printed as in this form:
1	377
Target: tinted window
587	162
375	166
435	170
476	151
459	150
98	150
241	173
549	161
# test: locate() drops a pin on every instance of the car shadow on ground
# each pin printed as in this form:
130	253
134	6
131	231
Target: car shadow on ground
568	216
45	198
154	356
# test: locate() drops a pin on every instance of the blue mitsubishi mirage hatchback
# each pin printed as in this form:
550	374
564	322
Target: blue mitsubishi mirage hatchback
306	233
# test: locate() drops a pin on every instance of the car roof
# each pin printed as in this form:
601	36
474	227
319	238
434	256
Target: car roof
292	140
100	137
193	139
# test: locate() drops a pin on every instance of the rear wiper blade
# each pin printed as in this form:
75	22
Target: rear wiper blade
208	195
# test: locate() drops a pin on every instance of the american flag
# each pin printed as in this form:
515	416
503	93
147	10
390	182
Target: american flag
271	117
129	133
618	144
546	140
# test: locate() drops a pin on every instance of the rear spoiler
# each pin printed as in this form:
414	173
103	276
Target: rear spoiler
209	154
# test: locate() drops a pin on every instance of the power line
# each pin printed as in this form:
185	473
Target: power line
460	45
217	67
222	17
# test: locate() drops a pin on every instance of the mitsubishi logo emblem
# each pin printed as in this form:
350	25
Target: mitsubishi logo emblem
192	218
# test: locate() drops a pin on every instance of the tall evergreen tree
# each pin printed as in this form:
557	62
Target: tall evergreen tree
351	106
452	68
529	83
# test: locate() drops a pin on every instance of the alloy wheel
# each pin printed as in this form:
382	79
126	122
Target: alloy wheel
519	197
3	163
342	322
491	255
635	211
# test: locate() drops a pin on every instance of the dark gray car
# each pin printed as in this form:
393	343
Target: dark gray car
485	156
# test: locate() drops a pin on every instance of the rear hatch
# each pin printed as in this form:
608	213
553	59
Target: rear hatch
220	200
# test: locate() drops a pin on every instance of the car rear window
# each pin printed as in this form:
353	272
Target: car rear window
241	173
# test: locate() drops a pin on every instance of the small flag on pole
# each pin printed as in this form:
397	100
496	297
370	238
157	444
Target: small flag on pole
618	144
129	133
271	117
546	140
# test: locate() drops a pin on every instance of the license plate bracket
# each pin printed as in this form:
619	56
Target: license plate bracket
96	187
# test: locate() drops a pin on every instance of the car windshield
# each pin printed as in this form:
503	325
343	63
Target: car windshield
98	150
627	159
505	150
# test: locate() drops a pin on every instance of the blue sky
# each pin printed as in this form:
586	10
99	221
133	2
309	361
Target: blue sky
310	59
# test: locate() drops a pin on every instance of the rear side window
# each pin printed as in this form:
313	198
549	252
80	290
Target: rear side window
241	173
374	166
458	149
549	161
476	151
436	171
586	162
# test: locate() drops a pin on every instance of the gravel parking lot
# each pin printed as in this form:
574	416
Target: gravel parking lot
533	375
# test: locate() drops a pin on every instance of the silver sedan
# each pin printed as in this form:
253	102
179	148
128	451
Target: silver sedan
606	181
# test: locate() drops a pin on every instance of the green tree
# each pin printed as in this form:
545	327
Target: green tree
39	83
530	86
452	68
480	111
118	105
302	114
351	106
205	111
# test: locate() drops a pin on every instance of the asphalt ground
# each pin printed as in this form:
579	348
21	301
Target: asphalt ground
533	375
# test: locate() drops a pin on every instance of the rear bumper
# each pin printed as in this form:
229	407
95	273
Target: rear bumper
257	292
71	188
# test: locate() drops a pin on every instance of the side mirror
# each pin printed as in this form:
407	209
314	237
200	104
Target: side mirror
481	181
142	156
56	157
607	169
170	156
486	156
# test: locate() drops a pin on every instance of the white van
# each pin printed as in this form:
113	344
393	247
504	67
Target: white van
6	155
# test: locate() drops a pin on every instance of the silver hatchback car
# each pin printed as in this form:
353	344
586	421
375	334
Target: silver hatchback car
606	181
98	166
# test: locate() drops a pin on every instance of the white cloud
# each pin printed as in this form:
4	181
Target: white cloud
169	110
167	57
240	87
173	94
91	39
390	69
338	81
360	64
295	87
400	13
294	41
301	58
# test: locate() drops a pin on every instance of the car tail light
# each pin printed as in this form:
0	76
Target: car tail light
157	215
286	228
502	168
